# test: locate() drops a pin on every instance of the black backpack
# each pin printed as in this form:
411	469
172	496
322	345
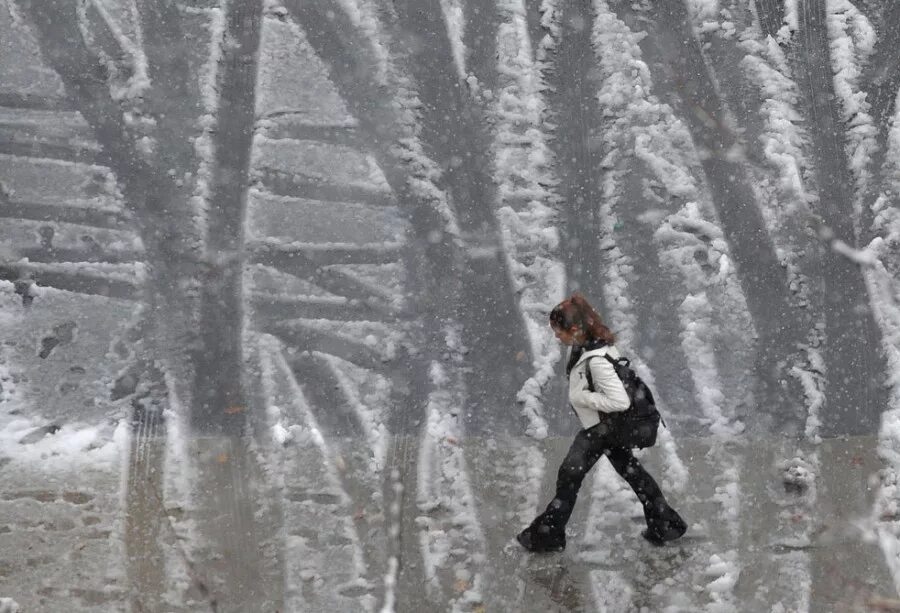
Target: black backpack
637	425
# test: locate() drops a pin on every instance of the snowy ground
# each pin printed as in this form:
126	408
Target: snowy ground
274	280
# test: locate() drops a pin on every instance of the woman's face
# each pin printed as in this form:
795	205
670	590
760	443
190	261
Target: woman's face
566	337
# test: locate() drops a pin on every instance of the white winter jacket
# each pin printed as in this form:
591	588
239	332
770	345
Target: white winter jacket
609	395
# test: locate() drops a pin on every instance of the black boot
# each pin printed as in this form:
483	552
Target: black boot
540	538
663	524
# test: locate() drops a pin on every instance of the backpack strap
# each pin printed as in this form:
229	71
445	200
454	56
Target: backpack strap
587	371
613	361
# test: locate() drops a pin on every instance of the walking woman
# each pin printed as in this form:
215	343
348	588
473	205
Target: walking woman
592	394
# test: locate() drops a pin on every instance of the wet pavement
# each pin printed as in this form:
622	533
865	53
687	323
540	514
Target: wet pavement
771	545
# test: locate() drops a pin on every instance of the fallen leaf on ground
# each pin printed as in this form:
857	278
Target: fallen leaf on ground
222	458
883	604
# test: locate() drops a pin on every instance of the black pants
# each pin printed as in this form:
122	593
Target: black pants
586	449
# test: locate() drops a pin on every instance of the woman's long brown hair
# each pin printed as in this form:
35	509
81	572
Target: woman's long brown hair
577	311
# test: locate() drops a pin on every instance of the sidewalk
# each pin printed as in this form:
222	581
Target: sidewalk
758	541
